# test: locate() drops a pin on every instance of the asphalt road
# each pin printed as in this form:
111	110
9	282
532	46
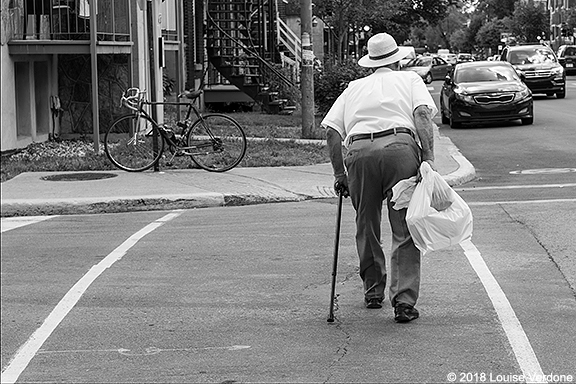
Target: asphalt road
533	168
241	294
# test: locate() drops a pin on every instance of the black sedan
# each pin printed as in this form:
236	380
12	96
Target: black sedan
485	91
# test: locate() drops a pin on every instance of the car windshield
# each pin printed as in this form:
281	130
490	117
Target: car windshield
479	74
532	56
570	51
420	62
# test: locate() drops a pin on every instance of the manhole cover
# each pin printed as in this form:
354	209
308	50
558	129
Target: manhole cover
79	176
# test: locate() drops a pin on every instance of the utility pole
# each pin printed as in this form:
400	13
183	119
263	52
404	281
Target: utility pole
151	17
307	75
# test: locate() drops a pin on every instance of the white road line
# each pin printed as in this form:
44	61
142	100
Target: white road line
9	223
29	349
146	351
485	203
516	336
535	186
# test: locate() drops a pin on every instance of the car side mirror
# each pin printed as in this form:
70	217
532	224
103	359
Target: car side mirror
448	80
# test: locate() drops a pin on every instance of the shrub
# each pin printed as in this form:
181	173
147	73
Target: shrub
333	79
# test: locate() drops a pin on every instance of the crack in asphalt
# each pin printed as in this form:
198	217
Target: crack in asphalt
541	243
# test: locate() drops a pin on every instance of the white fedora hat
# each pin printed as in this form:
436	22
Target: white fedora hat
382	50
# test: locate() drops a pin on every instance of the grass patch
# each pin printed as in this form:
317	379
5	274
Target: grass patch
78	154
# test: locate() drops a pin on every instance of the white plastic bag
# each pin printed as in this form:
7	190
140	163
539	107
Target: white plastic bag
433	229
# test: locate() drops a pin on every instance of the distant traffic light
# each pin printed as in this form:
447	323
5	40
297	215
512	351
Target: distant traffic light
564	30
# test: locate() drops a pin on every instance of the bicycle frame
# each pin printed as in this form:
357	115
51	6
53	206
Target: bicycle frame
215	142
190	108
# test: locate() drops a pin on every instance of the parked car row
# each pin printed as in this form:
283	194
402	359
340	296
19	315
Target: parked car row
428	67
501	87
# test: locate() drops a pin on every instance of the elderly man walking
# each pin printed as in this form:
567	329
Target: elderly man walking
385	121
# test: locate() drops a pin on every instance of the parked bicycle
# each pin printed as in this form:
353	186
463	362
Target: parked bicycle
135	142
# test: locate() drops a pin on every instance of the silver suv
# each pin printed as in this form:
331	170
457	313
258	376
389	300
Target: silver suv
539	67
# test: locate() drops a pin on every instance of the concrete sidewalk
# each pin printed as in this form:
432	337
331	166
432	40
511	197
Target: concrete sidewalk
56	193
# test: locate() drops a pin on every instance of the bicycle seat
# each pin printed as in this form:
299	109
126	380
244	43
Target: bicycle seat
190	94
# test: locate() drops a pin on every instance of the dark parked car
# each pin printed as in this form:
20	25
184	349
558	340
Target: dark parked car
428	67
485	91
567	58
543	73
464	57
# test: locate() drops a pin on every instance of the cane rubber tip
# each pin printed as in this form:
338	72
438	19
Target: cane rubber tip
330	320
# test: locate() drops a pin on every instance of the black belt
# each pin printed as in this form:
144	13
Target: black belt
391	131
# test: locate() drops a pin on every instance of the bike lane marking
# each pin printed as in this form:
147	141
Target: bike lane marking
519	342
29	349
9	223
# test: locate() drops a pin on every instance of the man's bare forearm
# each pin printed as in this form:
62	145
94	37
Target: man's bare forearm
334	143
425	131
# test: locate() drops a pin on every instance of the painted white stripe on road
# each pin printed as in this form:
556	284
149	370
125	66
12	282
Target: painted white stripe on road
485	203
516	336
9	223
534	186
146	351
27	351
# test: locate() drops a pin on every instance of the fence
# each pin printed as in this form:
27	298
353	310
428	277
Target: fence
69	19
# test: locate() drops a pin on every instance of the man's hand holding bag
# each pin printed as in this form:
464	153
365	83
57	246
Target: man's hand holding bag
437	216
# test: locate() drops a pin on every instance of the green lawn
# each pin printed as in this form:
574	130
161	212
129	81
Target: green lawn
78	154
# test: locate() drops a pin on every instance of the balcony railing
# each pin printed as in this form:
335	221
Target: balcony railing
69	20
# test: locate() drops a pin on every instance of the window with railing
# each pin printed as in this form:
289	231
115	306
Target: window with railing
169	24
70	19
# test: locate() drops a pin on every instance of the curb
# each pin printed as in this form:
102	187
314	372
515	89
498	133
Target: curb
465	172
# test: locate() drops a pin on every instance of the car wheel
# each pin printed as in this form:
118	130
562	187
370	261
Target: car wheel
445	119
454	124
528	121
428	78
561	95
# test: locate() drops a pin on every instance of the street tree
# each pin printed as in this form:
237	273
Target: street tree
529	21
476	22
454	21
495	9
458	40
395	17
488	35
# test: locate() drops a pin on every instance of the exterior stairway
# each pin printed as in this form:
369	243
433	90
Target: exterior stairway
242	47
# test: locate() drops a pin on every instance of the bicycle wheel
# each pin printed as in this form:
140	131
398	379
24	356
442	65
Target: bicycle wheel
129	143
217	143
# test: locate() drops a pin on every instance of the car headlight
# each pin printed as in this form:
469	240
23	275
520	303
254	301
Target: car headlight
558	71
463	95
524	93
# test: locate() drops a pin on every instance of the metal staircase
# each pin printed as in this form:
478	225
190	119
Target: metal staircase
242	47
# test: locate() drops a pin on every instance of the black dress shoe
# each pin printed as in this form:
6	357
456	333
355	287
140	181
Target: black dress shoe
404	313
373	303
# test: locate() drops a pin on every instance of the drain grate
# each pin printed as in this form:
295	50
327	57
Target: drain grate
79	176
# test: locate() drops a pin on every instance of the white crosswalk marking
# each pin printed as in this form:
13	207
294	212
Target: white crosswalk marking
9	223
29	349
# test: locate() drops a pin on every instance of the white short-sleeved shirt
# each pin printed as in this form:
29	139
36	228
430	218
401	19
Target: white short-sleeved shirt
383	100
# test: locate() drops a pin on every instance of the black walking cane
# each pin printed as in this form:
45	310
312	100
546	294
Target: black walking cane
335	262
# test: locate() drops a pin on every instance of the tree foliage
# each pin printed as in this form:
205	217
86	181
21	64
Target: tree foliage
530	21
496	9
488	35
396	17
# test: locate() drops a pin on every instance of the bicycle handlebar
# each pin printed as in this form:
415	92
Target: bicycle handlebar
132	98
